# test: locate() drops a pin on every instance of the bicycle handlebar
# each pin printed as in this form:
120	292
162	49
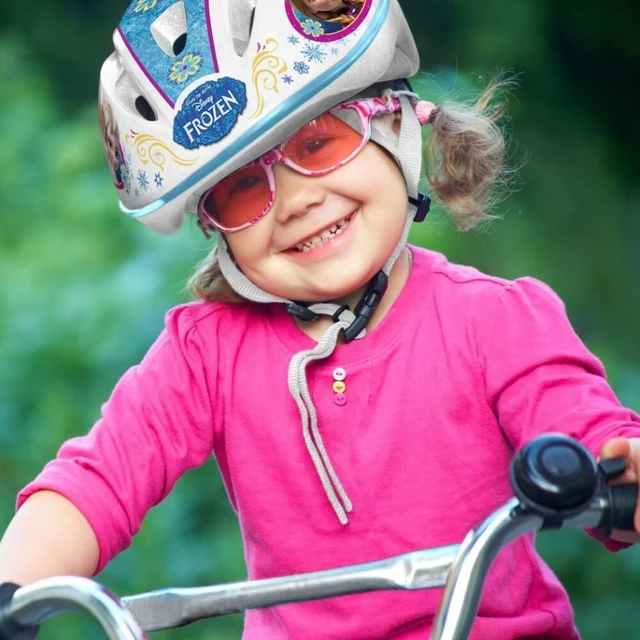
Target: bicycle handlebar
169	608
33	604
557	484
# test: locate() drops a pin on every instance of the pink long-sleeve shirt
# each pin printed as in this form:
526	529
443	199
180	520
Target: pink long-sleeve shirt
463	369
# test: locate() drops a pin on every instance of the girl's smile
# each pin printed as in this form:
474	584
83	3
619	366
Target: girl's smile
324	245
325	237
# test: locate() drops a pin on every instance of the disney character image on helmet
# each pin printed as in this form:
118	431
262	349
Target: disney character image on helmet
113	148
334	15
362	397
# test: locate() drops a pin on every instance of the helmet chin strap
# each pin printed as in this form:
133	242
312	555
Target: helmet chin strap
406	149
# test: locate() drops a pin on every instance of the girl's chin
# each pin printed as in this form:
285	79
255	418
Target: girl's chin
348	294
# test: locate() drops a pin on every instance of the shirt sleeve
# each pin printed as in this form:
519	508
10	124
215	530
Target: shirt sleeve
540	377
156	425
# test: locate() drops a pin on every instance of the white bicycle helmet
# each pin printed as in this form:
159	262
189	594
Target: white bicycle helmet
198	88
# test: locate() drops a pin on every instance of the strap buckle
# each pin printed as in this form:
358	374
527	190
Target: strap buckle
366	307
422	204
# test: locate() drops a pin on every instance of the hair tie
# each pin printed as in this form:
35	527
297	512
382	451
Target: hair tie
426	112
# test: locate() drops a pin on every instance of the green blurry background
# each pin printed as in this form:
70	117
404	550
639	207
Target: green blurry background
84	289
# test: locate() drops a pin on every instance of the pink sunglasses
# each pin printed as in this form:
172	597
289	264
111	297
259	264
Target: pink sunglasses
319	147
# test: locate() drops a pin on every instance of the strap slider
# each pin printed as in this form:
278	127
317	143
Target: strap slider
299	310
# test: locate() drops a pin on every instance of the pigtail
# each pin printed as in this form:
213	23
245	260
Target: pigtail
465	156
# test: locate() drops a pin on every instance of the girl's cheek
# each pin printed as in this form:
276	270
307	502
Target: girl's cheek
247	245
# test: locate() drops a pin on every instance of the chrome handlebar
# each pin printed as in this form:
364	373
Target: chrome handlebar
545	480
461	568
33	604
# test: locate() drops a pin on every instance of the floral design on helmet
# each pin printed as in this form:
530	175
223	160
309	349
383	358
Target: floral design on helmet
181	70
145	5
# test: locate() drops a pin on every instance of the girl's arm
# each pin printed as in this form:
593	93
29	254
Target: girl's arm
48	536
540	378
158	423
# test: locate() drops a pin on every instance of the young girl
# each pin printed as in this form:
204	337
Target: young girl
362	397
342	11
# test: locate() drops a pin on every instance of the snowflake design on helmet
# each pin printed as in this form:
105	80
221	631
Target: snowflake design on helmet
143	181
314	52
301	67
183	69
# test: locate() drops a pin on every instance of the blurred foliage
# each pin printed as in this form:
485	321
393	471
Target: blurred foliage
85	289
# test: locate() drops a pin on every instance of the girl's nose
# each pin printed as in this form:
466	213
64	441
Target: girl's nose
296	194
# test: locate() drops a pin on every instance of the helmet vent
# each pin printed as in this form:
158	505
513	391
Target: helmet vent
241	14
145	109
169	30
129	94
179	44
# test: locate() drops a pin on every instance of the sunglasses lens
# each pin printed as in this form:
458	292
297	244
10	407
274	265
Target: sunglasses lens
238	199
323	144
244	196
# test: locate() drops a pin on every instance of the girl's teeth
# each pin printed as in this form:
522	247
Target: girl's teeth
312	243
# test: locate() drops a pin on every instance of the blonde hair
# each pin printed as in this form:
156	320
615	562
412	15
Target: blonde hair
208	282
464	164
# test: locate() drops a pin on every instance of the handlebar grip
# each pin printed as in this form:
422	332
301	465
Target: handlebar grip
11	629
623	501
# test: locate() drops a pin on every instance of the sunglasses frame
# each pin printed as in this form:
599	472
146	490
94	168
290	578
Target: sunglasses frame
366	108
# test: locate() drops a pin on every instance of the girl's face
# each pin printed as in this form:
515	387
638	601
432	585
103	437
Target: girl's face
326	237
323	5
